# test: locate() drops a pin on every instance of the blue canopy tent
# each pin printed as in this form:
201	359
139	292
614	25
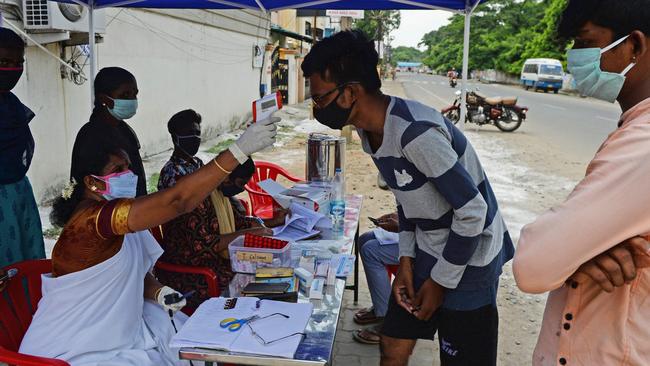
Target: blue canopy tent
465	7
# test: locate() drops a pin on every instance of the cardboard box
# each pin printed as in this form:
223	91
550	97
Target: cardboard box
315	197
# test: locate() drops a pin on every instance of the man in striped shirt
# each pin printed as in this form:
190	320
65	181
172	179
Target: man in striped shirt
453	241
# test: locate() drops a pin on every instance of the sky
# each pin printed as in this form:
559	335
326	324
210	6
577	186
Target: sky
415	24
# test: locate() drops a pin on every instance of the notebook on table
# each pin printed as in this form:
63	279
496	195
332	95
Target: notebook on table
203	330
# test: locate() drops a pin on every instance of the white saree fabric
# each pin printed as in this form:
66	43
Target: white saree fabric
98	316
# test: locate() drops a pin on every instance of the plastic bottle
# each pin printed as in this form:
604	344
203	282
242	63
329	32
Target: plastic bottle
337	204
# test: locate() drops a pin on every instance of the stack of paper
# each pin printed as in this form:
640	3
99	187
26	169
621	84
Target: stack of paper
301	224
203	328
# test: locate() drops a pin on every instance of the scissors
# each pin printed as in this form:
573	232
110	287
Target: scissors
234	324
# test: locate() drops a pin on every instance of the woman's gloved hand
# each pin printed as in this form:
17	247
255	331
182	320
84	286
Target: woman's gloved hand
257	136
167	291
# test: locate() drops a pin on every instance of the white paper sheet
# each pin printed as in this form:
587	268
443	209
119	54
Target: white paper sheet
273	328
275	189
385	237
301	224
203	329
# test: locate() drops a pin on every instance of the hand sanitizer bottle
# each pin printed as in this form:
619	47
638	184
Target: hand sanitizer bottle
337	204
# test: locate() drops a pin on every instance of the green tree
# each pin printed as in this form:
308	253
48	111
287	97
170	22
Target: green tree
545	43
504	34
378	24
407	54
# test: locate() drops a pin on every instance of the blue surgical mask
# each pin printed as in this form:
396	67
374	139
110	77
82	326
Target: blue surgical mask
584	65
119	185
123	108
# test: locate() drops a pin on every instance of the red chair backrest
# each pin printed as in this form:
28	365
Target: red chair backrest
260	201
392	270
18	302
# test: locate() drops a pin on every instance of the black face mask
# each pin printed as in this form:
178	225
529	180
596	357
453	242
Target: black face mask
9	77
189	144
332	115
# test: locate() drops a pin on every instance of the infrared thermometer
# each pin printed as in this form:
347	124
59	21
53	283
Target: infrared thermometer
264	107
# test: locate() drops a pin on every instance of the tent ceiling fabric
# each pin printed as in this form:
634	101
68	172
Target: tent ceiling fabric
271	5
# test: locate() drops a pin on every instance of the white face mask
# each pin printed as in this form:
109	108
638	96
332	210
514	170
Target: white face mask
591	80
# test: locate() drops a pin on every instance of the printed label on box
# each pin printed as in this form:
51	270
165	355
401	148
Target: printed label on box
255	257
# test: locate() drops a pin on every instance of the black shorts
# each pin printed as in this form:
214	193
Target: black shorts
467	338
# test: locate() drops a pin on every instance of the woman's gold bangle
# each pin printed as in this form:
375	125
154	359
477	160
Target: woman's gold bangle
155	295
220	167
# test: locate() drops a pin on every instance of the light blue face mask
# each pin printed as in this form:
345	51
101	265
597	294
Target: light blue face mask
123	108
591	80
119	185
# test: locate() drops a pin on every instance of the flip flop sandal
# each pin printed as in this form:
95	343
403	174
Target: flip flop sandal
366	316
367	336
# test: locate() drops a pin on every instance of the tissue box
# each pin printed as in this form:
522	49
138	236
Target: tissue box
246	259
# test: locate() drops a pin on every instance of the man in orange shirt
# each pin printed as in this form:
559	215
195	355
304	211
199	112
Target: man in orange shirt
573	250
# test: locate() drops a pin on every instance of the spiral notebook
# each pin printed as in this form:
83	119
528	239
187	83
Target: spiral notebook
202	329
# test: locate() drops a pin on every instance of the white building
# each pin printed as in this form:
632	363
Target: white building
181	58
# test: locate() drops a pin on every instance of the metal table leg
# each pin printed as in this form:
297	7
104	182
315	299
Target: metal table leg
355	285
356	266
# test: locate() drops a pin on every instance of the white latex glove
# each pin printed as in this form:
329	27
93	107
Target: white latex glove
166	290
257	136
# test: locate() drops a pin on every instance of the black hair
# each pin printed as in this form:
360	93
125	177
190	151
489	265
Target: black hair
9	39
244	171
621	16
344	57
88	159
180	120
109	79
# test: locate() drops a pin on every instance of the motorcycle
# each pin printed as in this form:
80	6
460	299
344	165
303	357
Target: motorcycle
453	82
504	113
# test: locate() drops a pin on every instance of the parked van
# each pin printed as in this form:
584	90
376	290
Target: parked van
542	73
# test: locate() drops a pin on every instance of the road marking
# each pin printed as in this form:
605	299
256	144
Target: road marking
434	95
554	107
606	119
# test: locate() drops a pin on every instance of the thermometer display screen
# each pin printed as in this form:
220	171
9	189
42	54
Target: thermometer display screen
268	104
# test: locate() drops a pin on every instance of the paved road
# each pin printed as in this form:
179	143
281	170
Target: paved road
573	125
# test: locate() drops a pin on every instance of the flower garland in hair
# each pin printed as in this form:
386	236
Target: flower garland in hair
67	191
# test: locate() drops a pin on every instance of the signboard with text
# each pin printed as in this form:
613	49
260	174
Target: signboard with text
355	14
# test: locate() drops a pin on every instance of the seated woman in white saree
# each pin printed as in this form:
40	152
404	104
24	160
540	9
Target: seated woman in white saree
101	305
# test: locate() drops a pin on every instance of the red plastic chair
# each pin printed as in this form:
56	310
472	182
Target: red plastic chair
18	304
392	271
262	204
207	273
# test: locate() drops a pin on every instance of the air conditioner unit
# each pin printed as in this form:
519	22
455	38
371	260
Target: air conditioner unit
41	16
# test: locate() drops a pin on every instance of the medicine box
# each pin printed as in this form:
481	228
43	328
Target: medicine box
247	260
316	289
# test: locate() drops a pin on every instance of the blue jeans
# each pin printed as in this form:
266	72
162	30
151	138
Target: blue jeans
375	257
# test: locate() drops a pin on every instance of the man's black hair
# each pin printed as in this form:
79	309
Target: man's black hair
621	16
344	57
9	39
110	78
181	120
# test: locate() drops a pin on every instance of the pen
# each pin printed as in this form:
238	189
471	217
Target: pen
10	273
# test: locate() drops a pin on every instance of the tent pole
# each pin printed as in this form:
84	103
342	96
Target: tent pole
464	87
91	45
